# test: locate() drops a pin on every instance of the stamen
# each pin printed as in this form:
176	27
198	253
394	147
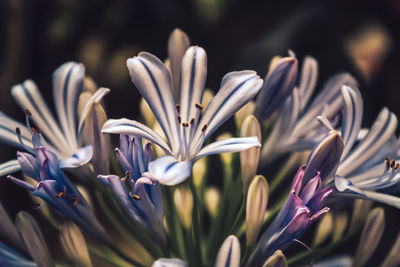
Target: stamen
204	128
137	197
18	131
199	106
392	163
75	201
191	121
128	174
185	124
123	179
179	119
59	194
397	166
178	108
28	112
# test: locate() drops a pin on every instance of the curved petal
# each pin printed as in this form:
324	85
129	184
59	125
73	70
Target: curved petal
229	145
308	80
130	127
381	131
193	81
167	170
352	117
153	81
81	157
27	96
67	85
237	88
9	135
96	98
9	167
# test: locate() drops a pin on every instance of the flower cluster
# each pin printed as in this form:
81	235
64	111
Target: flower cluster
152	202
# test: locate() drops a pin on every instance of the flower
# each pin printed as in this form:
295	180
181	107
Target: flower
183	124
61	138
295	127
301	208
143	202
56	190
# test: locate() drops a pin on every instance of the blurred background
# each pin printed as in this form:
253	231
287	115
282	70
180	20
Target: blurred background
361	37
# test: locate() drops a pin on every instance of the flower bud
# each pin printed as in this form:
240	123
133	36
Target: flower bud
325	157
33	239
183	199
243	113
278	85
370	237
256	206
276	260
74	245
212	197
249	158
229	253
199	171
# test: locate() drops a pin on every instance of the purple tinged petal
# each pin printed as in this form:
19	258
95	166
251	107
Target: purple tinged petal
310	189
21	183
29	165
123	161
319	214
318	200
298	180
325	157
278	85
148	155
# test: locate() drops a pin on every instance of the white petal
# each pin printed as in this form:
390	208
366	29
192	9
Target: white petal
229	145
153	81
167	170
9	135
81	157
135	128
67	85
28	97
380	133
343	185
352	117
9	167
384	198
96	98
193	80
237	88
229	253
163	262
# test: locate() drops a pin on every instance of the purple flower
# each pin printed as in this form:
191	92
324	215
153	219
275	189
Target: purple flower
138	192
56	190
302	207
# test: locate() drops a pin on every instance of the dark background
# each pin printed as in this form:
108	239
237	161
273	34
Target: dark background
38	36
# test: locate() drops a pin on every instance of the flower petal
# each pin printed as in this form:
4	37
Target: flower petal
8	133
153	81
308	80
81	157
237	88
352	117
193	81
381	131
229	145
163	262
9	167
68	82
27	96
167	170
130	127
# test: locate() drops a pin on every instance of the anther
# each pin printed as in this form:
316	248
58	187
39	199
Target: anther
178	108
28	112
59	194
75	201
18	131
185	124
204	128
137	197
199	106
38	129
33	130
191	121
128	174
179	119
392	163
396	166
123	179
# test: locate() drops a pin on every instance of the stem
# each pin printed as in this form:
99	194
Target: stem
282	174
